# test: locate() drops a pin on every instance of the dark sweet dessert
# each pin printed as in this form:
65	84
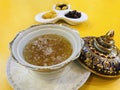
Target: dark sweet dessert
101	56
73	14
61	6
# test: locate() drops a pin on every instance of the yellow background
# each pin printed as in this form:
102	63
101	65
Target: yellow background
17	15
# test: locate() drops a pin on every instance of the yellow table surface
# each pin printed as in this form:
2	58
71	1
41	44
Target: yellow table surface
17	15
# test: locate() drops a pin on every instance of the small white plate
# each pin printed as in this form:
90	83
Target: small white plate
20	78
61	16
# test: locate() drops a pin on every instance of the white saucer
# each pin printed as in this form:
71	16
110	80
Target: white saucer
20	78
61	16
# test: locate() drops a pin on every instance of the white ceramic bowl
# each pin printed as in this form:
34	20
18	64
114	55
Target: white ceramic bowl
19	42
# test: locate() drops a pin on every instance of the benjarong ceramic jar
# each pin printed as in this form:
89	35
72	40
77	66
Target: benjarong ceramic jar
100	55
19	42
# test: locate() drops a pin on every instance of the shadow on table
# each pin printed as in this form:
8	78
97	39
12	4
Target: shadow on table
97	81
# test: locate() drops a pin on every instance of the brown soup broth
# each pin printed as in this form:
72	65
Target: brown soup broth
47	50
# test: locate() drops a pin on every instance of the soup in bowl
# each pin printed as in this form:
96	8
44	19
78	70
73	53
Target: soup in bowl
46	47
47	50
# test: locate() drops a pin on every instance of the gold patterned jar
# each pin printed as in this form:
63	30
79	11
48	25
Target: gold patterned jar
101	56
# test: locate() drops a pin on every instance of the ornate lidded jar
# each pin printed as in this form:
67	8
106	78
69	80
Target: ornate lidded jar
100	55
